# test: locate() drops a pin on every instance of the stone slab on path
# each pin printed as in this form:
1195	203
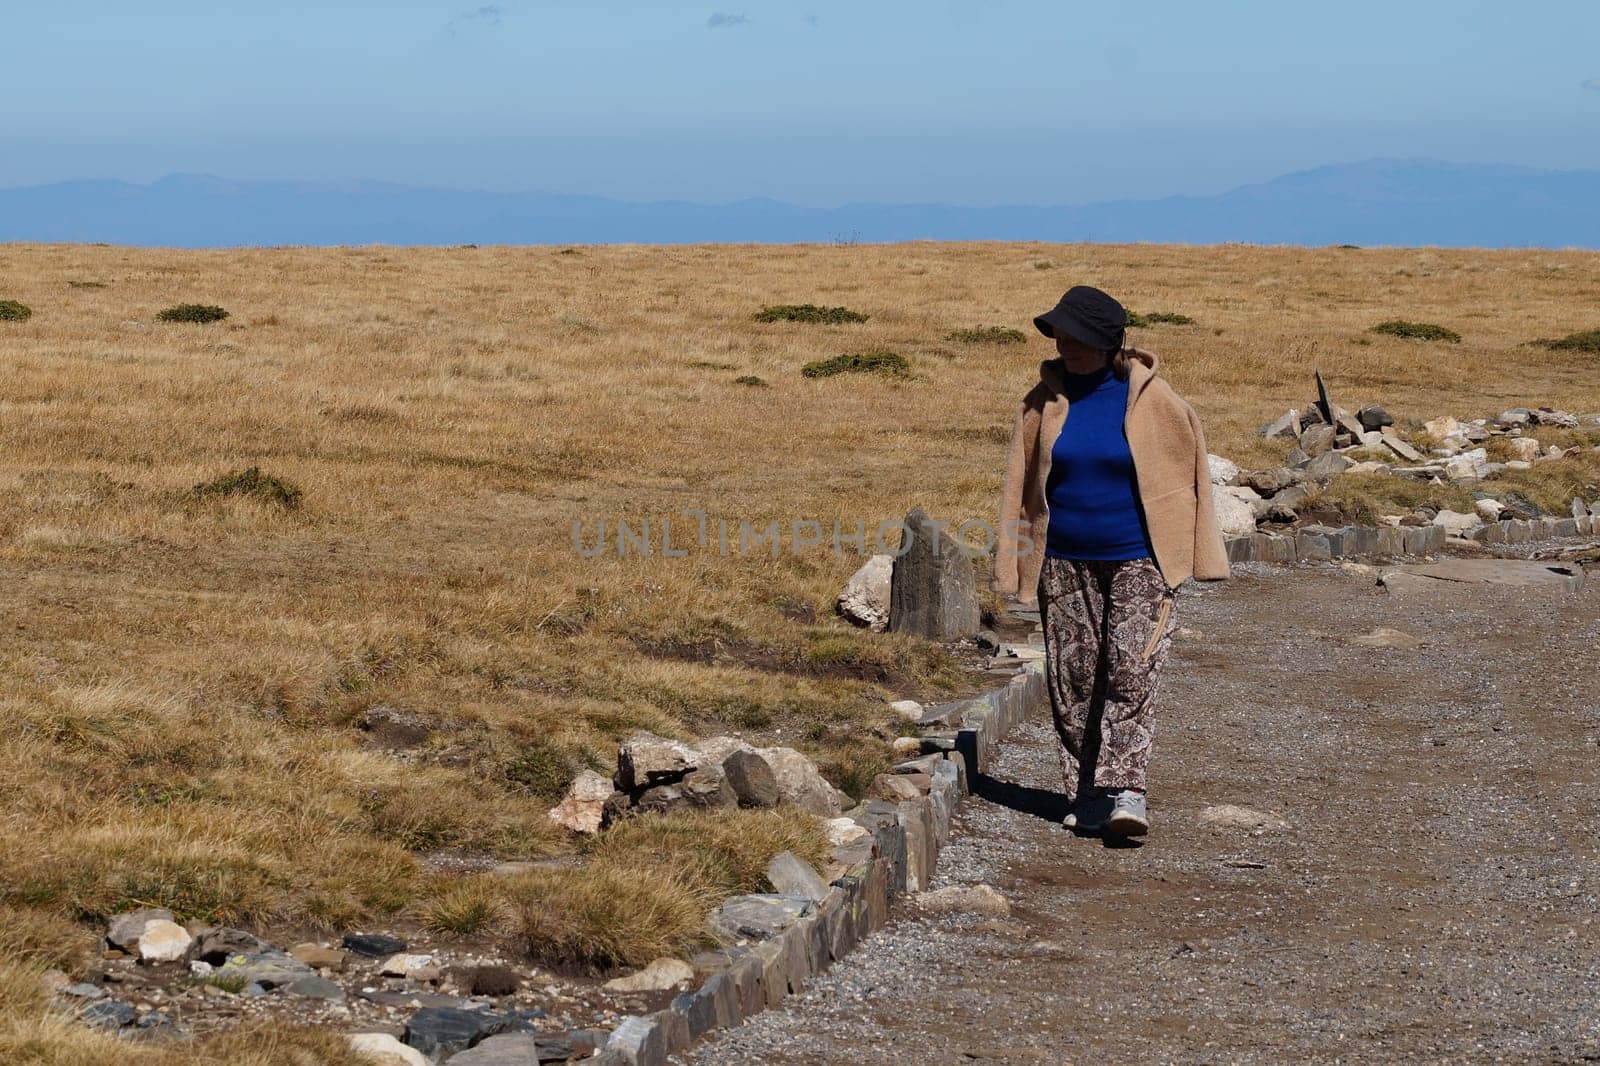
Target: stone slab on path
1522	573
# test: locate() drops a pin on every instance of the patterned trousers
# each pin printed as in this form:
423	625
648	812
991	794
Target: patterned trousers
1107	627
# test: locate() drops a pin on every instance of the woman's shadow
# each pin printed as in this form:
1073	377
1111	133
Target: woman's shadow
1039	803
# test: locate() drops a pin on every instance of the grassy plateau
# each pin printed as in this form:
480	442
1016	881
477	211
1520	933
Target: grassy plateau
228	540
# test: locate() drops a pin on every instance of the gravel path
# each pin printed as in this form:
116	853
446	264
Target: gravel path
1434	899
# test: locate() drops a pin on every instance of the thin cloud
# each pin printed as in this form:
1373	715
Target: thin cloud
720	20
488	15
811	20
1593	85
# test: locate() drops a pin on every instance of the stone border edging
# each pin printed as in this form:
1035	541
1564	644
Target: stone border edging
1318	544
784	940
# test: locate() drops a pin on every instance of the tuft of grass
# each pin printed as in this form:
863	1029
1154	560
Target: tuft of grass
892	364
251	483
1419	331
609	914
197	313
1586	341
808	313
470	908
12	311
751	380
540	768
707	364
87	284
987	335
1158	318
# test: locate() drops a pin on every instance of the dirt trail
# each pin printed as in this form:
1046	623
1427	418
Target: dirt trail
1434	900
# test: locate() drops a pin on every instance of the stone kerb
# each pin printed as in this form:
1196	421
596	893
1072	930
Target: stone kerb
770	944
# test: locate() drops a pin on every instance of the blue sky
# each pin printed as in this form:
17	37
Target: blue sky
816	101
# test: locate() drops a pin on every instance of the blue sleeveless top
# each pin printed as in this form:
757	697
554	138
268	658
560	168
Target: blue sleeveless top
1091	489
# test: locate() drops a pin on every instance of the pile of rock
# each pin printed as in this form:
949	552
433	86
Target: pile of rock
929	589
656	775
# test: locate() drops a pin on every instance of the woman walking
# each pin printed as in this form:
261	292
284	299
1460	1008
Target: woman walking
1105	510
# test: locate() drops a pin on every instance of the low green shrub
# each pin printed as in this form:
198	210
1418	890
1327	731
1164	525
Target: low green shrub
1158	318
252	483
877	362
12	311
1586	341
987	335
751	380
808	313
198	313
1419	331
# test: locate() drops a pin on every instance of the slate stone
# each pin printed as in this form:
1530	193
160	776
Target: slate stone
372	945
933	592
527	1048
1240	549
1327	465
790	875
1373	417
315	987
639	1041
124	929
444	1031
752	780
215	945
755	917
267	969
108	1014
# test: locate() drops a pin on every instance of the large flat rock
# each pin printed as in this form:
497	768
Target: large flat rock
1531	573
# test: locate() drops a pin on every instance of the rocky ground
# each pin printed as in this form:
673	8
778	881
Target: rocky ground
1432	897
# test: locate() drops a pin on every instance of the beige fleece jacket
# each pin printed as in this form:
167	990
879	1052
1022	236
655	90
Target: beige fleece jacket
1169	460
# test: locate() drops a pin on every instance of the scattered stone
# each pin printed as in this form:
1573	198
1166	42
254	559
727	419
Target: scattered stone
1317	440
320	958
843	831
1400	447
215	944
393	728
1516	572
1489	509
1228	816
705	788
865	599
910	710
645	760
932	591
1222	471
1235	517
163	941
582	809
967	899
385	1050
315	987
801	784
1579	508
1271	482
906	746
443	1031
790	875
1456	523
510	1049
403	965
108	1014
751	777
125	929
373	945
1374	417
1327	465
660	976
265	969
755	917
1383	637
84	990
896	788
1285	425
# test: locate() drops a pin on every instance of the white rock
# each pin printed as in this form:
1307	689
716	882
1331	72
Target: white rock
200	968
660	976
910	710
1368	466
404	965
970	899
1454	522
1243	492
1524	448
385	1050
163	941
801	784
842	831
1489	510
1227	816
1519	464
1222	471
1443	427
865	599
1553	453
583	807
1235	517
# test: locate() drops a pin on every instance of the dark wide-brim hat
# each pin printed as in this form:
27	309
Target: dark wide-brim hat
1088	316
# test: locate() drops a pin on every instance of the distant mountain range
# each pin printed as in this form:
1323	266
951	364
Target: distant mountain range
1383	202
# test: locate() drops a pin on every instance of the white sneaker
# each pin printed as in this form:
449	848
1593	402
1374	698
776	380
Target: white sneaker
1128	817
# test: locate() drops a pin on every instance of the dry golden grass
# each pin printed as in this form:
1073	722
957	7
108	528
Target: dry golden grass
184	671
